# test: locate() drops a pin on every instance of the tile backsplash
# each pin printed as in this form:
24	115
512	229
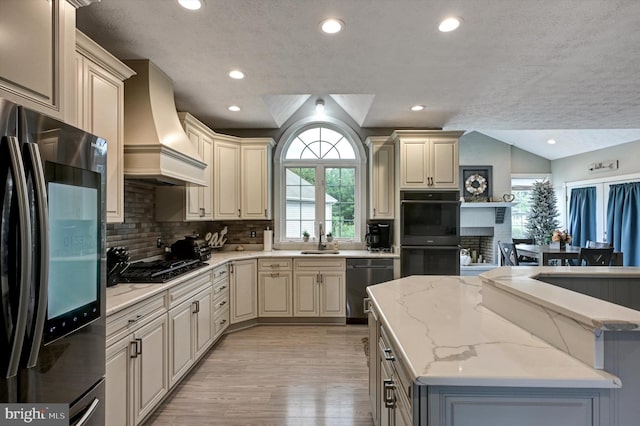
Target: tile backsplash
140	230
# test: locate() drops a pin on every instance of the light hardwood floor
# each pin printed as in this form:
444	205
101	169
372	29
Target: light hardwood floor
276	375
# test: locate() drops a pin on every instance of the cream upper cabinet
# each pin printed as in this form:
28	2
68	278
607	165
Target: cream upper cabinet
381	177
100	110
242	177
37	51
255	181
226	180
190	202
244	290
428	159
319	288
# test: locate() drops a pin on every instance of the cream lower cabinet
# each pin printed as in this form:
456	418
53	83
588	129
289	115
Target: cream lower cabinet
100	110
244	293
428	159
137	361
190	202
220	300
319	288
190	324
275	287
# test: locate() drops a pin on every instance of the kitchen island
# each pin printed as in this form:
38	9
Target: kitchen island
439	356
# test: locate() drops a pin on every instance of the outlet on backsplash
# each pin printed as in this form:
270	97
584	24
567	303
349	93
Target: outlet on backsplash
253	234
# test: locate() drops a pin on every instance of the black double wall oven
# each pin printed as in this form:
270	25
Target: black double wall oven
430	232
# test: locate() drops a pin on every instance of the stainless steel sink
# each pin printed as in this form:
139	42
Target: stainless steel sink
320	252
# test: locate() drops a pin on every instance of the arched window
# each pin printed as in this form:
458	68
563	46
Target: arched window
320	182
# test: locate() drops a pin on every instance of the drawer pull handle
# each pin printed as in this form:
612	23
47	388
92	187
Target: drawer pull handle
388	355
131	321
139	347
134	352
224	302
223	322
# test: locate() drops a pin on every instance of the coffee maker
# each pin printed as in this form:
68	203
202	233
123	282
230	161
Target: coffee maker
378	236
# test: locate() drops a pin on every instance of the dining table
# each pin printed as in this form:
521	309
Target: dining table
545	253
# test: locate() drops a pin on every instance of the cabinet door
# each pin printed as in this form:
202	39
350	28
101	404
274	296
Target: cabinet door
104	117
203	324
180	341
414	166
443	163
33	37
119	383
254	182
382	182
199	199
332	294
274	294
244	294
374	366
226	180
306	294
151	367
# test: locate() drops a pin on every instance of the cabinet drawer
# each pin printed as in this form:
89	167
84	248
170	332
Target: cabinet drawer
134	316
182	292
221	302
221	321
319	264
221	287
270	264
220	273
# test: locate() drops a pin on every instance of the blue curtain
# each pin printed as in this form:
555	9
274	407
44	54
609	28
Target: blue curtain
582	215
623	231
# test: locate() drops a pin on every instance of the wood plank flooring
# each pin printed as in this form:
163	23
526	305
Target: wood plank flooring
276	375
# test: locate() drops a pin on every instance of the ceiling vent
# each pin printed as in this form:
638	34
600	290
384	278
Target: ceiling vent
155	144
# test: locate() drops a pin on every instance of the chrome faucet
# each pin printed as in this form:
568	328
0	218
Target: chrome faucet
321	245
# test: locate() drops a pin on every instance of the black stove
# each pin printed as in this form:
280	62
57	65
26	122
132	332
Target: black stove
158	271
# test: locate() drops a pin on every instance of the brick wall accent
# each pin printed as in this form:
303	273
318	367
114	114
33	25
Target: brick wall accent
140	230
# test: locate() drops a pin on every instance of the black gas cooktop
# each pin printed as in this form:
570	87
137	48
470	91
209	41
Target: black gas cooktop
158	271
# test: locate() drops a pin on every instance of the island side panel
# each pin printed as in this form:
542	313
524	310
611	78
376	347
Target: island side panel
622	353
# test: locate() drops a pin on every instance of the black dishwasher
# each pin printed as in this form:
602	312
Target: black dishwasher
362	272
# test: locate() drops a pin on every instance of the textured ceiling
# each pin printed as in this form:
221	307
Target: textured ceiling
516	70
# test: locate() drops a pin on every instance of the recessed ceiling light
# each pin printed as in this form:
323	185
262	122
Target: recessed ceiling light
331	25
319	106
191	4
417	108
234	108
449	24
236	74
551	141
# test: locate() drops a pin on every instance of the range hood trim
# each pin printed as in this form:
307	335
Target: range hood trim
148	160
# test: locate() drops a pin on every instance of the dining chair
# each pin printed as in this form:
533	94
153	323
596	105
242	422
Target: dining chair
597	244
522	258
595	256
509	255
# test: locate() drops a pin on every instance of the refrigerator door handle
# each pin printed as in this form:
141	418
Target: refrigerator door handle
43	231
88	413
11	145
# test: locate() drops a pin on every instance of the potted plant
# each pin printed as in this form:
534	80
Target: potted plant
305	236
329	237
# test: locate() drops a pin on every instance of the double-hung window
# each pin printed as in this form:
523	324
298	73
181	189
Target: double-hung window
320	183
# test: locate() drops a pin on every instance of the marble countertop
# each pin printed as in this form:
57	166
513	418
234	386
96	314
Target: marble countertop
124	295
447	337
594	313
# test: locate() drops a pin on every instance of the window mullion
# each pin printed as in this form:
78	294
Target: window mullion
320	201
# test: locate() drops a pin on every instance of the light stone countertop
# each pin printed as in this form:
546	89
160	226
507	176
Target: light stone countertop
593	313
123	295
446	337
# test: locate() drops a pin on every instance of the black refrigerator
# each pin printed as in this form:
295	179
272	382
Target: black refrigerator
52	265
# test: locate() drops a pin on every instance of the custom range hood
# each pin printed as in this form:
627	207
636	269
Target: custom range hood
156	147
